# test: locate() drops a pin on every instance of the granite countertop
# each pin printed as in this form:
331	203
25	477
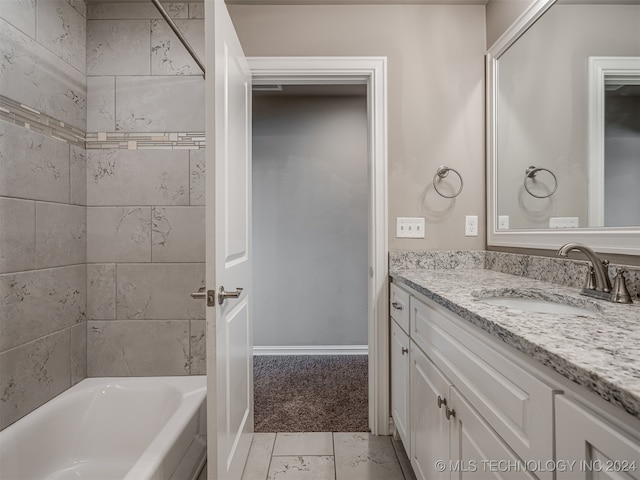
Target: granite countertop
599	351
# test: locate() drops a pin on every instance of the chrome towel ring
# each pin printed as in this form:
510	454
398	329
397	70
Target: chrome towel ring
441	173
531	173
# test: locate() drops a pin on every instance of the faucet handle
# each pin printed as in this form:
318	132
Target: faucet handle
607	280
620	293
590	281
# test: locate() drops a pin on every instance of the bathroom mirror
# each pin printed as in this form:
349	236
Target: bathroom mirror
563	126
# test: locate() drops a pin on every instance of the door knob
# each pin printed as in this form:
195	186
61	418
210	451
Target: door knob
441	401
203	293
223	295
449	413
405	350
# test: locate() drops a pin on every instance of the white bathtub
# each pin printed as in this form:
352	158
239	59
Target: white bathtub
134	428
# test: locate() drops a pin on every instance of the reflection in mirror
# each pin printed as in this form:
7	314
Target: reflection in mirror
543	120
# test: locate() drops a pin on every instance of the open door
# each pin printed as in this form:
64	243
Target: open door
228	247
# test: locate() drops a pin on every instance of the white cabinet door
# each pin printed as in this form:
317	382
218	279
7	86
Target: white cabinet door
477	452
400	383
599	450
429	427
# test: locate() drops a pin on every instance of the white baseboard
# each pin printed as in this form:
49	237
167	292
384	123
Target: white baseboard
312	350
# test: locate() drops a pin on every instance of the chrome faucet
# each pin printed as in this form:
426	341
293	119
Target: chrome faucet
598	283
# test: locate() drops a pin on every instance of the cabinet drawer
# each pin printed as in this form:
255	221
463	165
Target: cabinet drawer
513	402
399	306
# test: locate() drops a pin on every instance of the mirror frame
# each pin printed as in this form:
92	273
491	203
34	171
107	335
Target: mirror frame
619	240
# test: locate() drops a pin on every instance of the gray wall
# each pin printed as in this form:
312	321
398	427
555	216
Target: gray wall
435	96
145	192
42	213
310	195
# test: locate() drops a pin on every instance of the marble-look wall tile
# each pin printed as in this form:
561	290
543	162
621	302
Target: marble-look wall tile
197	162
198	349
101	104
178	234
118	234
80	6
33	166
61	29
34	76
160	104
17	235
60	235
118	47
159	291
78	176
78	352
101	291
168	55
137	177
36	303
21	14
137	348
134	10
32	374
196	10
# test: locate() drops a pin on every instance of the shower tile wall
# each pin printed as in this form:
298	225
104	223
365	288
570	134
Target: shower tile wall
145	191
42	204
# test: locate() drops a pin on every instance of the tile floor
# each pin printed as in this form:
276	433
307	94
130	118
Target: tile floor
325	456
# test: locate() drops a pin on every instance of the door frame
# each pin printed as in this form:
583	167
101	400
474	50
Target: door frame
371	71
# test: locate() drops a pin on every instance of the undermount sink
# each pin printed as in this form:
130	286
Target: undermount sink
537	305
535	301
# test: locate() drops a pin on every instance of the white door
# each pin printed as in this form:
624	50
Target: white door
229	254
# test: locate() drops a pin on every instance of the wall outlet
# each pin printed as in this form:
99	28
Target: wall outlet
471	226
410	227
503	222
563	222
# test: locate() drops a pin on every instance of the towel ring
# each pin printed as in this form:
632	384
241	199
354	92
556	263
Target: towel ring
531	173
442	172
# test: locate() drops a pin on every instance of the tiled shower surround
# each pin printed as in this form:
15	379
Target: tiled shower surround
145	191
99	248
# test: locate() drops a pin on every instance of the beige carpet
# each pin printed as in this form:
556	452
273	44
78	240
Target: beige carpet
310	393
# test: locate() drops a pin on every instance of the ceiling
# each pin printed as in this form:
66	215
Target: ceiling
322	2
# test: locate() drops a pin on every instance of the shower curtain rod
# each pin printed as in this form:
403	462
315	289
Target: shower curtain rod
179	34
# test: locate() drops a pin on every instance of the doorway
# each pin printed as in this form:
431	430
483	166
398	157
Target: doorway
371	73
310	194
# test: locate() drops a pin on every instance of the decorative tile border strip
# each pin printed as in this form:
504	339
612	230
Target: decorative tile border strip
30	118
142	141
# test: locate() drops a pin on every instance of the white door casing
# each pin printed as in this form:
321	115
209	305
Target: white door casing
372	72
228	247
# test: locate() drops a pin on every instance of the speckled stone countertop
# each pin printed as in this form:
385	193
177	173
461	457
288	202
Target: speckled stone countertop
599	351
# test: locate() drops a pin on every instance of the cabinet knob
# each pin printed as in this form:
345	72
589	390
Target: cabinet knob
441	401
405	350
449	413
397	305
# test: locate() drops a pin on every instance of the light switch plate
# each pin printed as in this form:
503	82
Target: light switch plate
503	222
410	227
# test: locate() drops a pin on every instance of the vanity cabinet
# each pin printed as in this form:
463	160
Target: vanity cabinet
467	400
599	449
489	411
